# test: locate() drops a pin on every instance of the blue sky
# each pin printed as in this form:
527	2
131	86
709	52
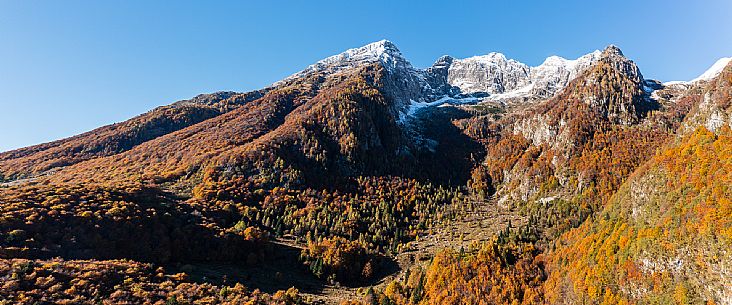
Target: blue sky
70	66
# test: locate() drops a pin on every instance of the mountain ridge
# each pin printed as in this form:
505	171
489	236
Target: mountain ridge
412	89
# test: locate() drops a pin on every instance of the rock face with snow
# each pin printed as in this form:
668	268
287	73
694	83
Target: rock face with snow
492	73
556	72
437	76
506	79
714	110
383	52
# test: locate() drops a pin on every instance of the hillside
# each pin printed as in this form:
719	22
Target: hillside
116	138
663	235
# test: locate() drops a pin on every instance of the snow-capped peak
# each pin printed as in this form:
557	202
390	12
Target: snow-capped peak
557	64
714	70
495	59
507	78
382	51
569	64
555	61
491	58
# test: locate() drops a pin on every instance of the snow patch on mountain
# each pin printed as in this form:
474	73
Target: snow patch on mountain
415	106
708	75
714	70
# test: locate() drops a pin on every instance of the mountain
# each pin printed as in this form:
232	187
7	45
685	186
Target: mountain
637	215
362	178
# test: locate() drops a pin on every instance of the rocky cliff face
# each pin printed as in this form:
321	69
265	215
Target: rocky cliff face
715	109
615	88
509	80
611	89
437	76
556	72
558	132
492	73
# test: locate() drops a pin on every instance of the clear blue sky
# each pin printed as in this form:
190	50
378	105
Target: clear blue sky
70	66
